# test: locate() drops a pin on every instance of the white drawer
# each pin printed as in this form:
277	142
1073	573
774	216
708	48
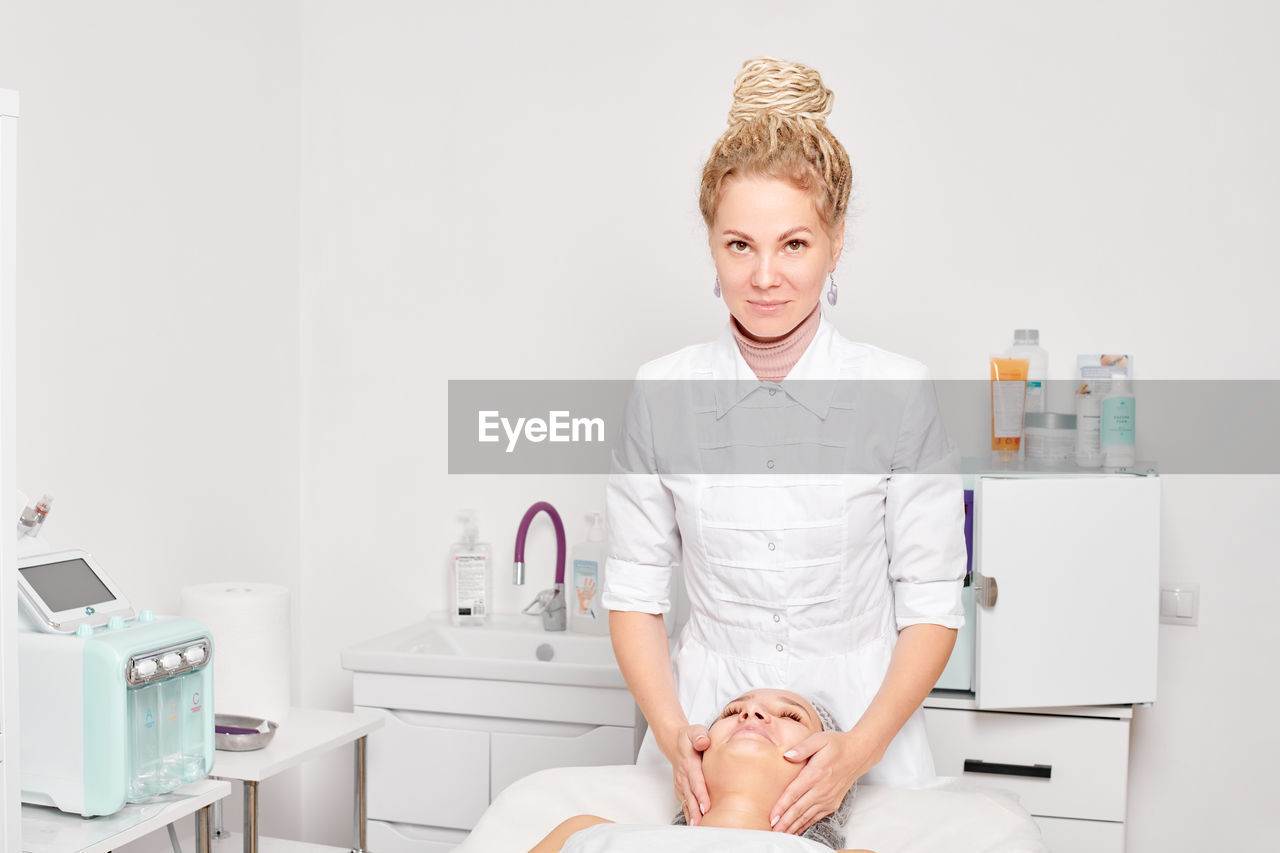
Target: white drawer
1086	758
514	755
407	760
1062	835
384	837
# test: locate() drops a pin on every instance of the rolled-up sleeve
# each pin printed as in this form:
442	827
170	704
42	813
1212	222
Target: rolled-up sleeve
644	537
924	515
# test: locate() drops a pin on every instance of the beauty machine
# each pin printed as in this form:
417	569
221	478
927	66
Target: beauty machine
116	707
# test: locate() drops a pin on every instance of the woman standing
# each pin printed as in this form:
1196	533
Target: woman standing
819	525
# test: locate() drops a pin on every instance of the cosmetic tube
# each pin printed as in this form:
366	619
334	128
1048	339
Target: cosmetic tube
1008	397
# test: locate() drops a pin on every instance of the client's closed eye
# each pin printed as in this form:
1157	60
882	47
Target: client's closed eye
784	711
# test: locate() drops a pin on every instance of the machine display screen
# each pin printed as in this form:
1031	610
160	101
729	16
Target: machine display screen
69	585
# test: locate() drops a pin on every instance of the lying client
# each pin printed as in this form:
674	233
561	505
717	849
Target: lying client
745	774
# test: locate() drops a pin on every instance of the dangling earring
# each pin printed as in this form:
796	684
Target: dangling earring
831	294
717	290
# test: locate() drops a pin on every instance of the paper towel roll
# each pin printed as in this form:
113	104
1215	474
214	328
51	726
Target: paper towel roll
250	627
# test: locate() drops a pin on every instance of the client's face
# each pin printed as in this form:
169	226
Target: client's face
768	722
744	765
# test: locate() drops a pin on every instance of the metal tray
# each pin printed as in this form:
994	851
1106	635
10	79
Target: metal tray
259	734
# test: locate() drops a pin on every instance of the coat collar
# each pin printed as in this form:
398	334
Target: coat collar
735	380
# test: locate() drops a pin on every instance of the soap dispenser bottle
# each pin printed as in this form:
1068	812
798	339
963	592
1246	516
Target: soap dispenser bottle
587	614
1116	431
470	581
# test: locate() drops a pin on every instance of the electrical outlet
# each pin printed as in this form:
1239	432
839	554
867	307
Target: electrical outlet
1179	603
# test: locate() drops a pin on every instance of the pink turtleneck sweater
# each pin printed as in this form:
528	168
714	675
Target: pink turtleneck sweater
771	362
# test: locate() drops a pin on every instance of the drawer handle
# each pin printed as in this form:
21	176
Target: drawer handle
1037	771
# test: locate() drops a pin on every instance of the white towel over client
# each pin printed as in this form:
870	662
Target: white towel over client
950	816
630	838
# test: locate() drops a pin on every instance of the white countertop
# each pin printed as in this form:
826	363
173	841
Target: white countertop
47	830
961	700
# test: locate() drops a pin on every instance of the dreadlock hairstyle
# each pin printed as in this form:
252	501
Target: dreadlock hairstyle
778	129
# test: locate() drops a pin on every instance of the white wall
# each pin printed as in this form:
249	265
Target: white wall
158	287
158	337
493	191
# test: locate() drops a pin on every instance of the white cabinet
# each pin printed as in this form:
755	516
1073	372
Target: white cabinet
450	745
1075	565
10	820
1062	645
409	750
515	754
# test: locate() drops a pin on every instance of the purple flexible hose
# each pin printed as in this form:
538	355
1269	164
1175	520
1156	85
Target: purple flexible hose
523	530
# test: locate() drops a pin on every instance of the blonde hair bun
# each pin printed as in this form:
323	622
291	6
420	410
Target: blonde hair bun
786	89
778	129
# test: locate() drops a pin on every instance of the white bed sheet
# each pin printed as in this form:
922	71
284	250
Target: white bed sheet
944	816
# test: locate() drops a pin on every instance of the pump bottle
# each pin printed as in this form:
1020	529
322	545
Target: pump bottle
1026	344
587	614
470	578
1117	425
1088	428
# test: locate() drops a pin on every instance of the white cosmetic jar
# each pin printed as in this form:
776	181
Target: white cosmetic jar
1050	436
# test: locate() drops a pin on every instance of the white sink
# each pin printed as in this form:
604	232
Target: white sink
508	648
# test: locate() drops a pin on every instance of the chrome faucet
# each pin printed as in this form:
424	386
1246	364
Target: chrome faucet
550	602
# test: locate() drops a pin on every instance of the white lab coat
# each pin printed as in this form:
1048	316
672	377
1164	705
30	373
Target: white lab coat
813	520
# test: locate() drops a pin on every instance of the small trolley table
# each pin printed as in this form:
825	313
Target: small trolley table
305	733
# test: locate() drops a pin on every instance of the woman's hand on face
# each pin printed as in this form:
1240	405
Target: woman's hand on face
836	760
686	766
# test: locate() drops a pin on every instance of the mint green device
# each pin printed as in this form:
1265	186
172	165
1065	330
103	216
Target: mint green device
112	713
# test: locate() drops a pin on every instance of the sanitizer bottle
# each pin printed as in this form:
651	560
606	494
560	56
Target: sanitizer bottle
587	614
470	581
1088	428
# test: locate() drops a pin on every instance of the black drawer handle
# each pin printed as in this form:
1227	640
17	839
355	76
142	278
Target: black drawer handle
1038	771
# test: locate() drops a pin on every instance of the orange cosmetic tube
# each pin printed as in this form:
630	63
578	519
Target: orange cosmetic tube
1008	398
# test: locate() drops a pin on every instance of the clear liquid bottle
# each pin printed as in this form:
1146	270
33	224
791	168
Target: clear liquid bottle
1088	428
470	576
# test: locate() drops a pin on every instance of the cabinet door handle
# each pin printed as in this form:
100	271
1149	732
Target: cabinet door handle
985	590
1038	771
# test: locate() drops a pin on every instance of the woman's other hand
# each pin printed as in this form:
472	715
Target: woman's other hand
686	767
836	760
